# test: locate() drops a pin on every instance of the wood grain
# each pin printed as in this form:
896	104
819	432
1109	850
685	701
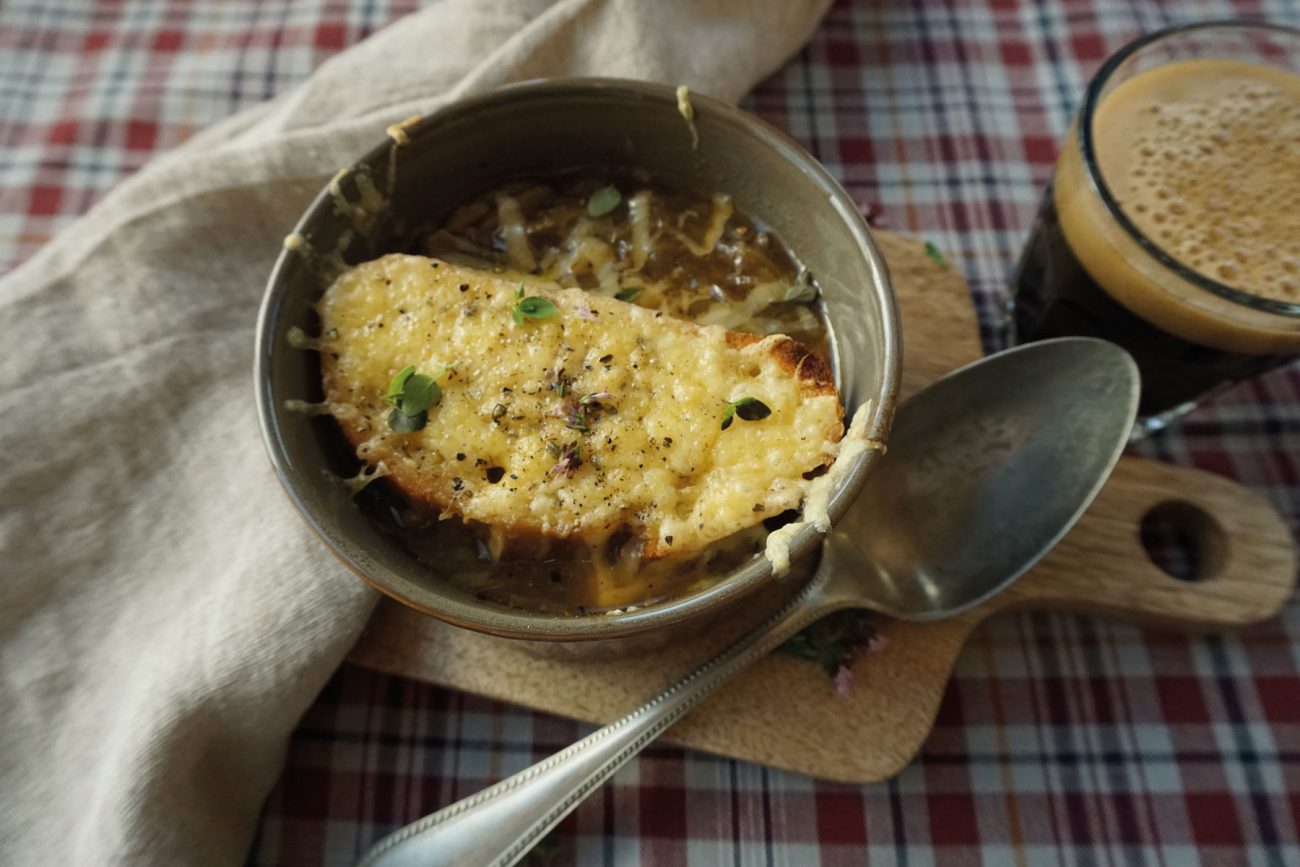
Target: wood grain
874	731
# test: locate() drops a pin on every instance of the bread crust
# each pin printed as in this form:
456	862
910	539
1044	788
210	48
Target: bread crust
797	360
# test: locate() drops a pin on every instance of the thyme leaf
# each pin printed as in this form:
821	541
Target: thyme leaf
802	290
752	409
560	383
747	408
936	255
412	395
536	307
395	387
603	201
419	393
402	423
531	307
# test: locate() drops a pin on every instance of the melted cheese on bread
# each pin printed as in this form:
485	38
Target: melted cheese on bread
654	462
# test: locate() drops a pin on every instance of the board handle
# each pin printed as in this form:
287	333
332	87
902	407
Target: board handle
1246	556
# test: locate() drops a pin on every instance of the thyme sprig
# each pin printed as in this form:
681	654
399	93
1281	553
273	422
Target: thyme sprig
531	307
580	414
412	395
835	642
570	458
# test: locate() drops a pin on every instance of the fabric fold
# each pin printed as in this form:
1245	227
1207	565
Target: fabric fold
165	618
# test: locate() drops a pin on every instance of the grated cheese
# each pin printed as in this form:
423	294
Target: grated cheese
658	464
818	497
687	111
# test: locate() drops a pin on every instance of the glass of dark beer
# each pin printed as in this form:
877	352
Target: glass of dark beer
1172	223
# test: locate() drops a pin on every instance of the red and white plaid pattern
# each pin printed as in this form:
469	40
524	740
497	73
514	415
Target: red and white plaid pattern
1061	740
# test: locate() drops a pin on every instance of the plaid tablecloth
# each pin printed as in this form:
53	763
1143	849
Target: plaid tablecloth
1061	740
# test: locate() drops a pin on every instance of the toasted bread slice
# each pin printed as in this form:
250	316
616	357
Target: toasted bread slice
601	419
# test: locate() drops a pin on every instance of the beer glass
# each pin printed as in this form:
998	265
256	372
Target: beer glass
1172	222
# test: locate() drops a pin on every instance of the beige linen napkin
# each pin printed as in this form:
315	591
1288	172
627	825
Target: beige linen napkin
164	617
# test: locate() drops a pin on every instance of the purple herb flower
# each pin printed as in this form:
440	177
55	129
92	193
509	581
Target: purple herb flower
843	680
570	460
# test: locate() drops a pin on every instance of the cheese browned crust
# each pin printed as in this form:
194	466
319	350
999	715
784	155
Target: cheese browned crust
655	463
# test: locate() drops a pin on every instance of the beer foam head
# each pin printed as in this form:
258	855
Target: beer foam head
1203	157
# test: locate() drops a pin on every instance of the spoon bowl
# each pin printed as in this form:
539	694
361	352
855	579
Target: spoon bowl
989	468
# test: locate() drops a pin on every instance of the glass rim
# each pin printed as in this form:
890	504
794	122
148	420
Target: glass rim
1091	98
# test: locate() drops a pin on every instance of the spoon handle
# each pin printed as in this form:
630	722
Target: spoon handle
498	826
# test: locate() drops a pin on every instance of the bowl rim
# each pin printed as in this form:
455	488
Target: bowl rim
500	621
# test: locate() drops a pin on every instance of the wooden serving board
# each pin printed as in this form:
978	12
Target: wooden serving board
1248	557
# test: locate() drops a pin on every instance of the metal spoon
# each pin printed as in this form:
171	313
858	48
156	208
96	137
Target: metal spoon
987	469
